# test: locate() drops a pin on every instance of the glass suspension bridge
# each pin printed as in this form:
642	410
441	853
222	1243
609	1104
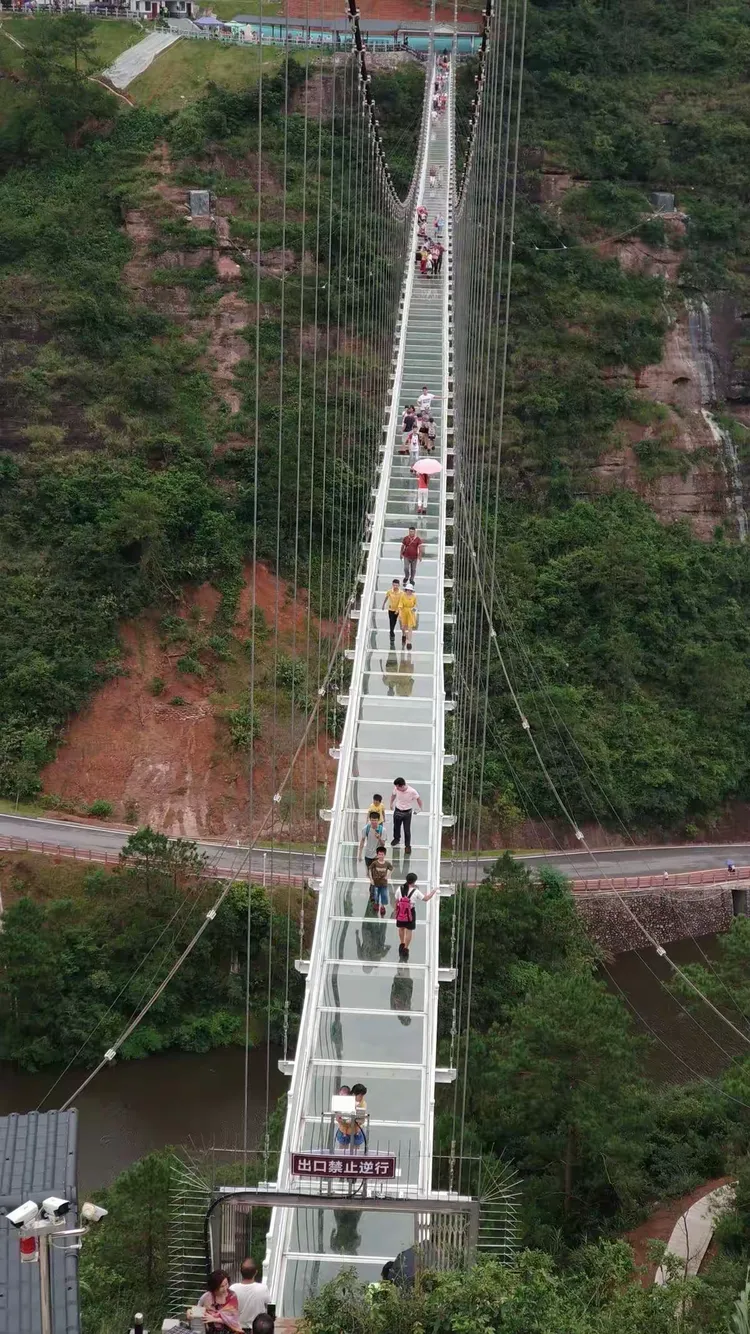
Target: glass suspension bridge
370	1016
325	345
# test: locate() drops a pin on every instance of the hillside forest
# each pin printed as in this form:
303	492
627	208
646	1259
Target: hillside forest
129	479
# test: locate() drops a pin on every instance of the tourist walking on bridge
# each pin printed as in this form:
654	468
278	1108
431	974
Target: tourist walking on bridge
408	615
392	602
423	486
412	550
404	800
372	839
380	879
406	916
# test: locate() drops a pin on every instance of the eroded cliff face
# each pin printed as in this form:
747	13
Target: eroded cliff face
681	456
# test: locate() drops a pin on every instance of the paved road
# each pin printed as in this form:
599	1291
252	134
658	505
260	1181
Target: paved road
137	58
229	858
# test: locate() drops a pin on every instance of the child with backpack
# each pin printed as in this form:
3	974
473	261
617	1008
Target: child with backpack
405	913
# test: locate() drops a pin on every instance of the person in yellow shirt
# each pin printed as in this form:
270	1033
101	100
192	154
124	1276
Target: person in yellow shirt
393	602
377	805
407	615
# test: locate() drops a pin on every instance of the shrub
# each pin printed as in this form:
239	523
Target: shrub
190	663
158	685
244	726
101	808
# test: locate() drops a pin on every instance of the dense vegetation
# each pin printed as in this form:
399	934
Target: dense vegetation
555	1073
625	638
76	966
123	474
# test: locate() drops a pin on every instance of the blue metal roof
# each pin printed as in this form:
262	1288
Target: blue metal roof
37	1159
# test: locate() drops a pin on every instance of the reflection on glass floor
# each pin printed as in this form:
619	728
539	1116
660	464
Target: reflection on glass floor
371	1023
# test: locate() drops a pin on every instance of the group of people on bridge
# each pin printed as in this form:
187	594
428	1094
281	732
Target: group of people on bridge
405	801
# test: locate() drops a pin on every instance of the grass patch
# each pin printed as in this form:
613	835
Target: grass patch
182	73
111	37
228	9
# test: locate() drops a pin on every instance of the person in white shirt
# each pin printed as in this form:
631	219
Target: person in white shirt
403	801
252	1297
425	399
405	913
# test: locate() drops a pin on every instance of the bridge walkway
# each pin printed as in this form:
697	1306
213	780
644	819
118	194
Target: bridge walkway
369	1017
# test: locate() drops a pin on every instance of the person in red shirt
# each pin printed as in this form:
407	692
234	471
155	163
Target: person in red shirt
412	548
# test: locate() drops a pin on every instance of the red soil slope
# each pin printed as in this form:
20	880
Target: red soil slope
173	766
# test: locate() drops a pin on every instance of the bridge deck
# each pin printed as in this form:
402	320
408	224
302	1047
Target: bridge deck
368	1017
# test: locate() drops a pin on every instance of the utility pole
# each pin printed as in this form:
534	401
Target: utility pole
45	1292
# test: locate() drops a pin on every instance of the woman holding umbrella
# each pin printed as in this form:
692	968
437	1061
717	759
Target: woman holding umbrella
424	469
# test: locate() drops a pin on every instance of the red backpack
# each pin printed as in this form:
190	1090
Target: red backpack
405	914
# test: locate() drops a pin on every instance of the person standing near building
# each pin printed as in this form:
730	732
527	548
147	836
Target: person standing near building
404	799
412	548
253	1296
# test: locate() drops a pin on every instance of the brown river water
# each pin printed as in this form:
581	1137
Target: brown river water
137	1106
182	1098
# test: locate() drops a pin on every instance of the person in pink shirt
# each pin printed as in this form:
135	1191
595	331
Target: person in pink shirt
404	799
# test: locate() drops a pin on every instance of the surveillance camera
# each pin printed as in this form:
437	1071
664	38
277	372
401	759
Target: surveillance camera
54	1207
24	1214
93	1213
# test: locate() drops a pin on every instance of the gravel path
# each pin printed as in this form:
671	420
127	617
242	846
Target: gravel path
138	58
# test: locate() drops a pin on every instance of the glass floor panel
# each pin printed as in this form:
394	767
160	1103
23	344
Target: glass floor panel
375	1037
348	1232
399	681
374	941
382	710
400	755
411	735
346	984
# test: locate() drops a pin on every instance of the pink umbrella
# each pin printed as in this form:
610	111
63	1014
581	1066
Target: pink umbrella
428	466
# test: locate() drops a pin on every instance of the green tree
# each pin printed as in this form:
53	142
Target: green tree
124	1259
71	36
598	1294
558	1089
518	922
